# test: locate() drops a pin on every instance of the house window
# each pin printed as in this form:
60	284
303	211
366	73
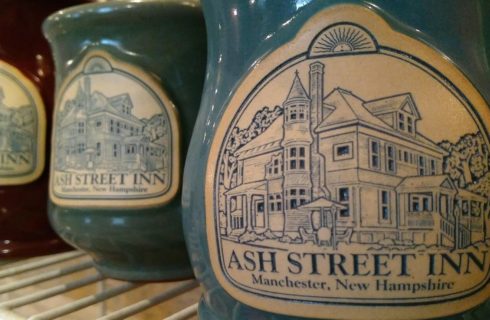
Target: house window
118	125
130	149
342	151
302	158
292	112
466	208
421	164
111	126
81	127
409	124
297	158
115	150
401	121
297	197
406	158
390	159
296	112
292	158
385	205
421	203
374	156
301	114
278	202
275	203
81	147
98	149
276	166
433	171
260	207
98	123
344	199
415	205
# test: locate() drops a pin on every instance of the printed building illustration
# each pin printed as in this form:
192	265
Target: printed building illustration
100	132
360	168
14	128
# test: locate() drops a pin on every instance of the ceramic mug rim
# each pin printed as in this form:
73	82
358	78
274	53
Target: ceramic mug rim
54	24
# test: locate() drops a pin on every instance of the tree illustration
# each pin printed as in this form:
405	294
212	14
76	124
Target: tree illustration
468	159
155	128
482	186
240	137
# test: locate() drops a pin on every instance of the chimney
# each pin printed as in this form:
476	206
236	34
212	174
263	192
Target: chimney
316	92
88	89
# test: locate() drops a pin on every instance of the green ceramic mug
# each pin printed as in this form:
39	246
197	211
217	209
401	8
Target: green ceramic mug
129	76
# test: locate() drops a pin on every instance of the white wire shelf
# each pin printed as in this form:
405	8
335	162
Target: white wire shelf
67	286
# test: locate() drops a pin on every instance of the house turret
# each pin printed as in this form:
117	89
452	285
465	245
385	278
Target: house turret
297	114
297	149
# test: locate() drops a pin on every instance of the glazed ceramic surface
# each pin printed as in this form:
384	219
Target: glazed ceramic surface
128	90
346	165
26	91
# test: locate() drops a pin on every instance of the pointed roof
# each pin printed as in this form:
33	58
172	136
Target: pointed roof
118	100
99	102
322	203
297	90
463	193
348	108
268	140
256	186
72	116
419	183
392	104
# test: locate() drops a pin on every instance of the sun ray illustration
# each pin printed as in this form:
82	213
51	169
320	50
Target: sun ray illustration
342	39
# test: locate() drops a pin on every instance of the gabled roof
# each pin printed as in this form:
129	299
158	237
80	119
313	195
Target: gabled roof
100	103
297	90
348	108
322	203
270	139
463	193
72	116
392	104
258	186
118	100
426	182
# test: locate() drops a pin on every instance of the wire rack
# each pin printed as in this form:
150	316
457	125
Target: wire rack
67	286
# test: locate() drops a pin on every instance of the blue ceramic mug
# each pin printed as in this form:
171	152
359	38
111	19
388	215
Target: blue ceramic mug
346	171
128	91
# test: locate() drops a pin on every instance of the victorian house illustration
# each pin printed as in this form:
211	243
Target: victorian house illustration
360	168
100	132
14	135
